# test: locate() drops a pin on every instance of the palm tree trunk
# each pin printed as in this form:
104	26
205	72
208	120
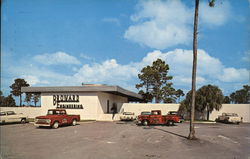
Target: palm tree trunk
191	129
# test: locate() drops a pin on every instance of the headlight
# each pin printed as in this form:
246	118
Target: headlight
48	120
36	120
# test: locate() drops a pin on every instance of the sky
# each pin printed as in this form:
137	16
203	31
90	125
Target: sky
70	42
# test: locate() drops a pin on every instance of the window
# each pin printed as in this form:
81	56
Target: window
2	113
11	113
107	106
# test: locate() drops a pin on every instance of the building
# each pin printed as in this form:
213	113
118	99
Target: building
92	102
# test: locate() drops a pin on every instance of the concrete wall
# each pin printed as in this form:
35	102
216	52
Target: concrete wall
243	110
31	112
95	107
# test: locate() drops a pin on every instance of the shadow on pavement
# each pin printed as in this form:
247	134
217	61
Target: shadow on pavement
171	133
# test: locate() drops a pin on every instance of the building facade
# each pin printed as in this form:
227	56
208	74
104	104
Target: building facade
92	102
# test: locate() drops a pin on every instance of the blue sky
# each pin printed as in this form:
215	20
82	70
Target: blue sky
62	42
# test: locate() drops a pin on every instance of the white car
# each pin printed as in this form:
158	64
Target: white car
229	118
127	116
12	117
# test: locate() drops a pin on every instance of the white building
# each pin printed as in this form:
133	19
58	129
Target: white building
92	102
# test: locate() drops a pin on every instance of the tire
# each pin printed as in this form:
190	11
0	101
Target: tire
170	123
145	123
23	121
74	122
55	125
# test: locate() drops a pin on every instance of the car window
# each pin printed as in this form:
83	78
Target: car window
128	113
145	113
2	113
62	112
50	112
11	113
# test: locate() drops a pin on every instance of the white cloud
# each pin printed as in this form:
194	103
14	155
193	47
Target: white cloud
234	75
33	80
56	58
210	70
162	24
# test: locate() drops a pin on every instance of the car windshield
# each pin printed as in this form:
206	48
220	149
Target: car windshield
172	113
231	114
53	112
2	113
145	113
11	113
128	113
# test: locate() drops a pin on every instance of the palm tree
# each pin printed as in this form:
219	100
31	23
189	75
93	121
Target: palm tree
208	98
191	128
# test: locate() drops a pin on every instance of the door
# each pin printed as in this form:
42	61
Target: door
155	118
12	117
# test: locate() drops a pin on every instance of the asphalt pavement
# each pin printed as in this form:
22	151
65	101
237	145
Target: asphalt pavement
124	140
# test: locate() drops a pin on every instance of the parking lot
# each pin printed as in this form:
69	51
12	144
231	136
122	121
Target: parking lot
124	140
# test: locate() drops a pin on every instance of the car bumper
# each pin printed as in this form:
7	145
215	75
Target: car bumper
46	125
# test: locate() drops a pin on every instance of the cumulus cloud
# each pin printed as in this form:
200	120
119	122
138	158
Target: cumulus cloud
162	24
210	70
57	58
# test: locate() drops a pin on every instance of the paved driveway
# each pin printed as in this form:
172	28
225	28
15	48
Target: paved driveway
124	140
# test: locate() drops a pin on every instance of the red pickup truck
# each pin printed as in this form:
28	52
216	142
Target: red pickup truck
56	118
155	117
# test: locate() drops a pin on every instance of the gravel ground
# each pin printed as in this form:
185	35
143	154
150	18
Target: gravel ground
124	140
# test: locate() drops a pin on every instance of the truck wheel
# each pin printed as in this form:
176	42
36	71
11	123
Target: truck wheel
145	123
74	122
170	123
23	121
55	125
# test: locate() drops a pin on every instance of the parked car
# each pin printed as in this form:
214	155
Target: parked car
127	116
176	113
229	118
56	118
155	117
12	117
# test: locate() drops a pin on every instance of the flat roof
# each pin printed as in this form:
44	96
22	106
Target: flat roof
85	88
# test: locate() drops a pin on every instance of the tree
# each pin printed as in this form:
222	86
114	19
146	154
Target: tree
8	101
1	98
179	94
191	128
241	96
154	82
209	97
28	98
16	88
226	100
36	97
